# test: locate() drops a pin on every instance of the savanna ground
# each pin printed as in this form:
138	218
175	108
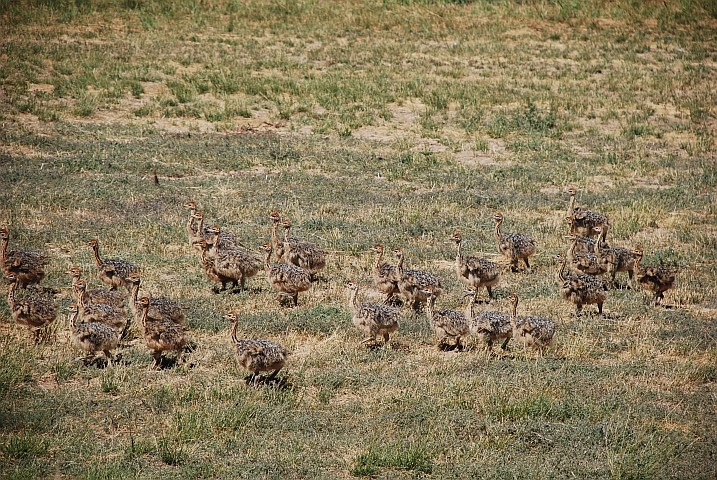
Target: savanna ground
363	122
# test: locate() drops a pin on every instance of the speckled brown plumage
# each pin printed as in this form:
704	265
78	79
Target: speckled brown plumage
531	331
446	323
372	319
207	262
161	336
584	244
474	271
514	246
303	254
655	278
32	312
488	326
257	355
581	289
112	272
584	221
412	282
28	267
285	278
99	295
623	259
92	337
585	262
277	241
384	275
115	317
160	308
225	241
234	264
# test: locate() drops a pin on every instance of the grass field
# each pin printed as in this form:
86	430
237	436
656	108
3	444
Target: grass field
363	122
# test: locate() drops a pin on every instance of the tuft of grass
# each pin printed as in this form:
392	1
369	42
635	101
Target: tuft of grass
171	452
184	92
23	446
411	458
86	104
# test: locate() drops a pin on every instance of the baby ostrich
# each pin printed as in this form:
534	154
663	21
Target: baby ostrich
32	312
446	323
372	319
623	258
257	355
28	267
277	241
285	278
208	264
584	244
581	289
234	264
412	282
195	233
160	308
303	254
112	272
474	271
161	335
384	274
655	278
584	221
514	246
585	262
488	326
225	240
115	317
99	295
92	337
533	332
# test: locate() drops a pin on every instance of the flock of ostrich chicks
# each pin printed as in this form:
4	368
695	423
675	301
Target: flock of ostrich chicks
98	319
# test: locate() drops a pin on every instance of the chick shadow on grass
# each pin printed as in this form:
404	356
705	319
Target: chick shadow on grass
167	362
377	346
279	383
448	347
101	362
247	290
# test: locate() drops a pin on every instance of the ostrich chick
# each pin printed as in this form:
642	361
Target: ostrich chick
234	264
160	308
411	283
115	317
446	323
533	332
488	326
474	271
514	246
372	319
303	254
584	221
92	337
112	272
161	335
32	312
99	295
285	278
581	289
257	355
655	278
384	275
28	267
